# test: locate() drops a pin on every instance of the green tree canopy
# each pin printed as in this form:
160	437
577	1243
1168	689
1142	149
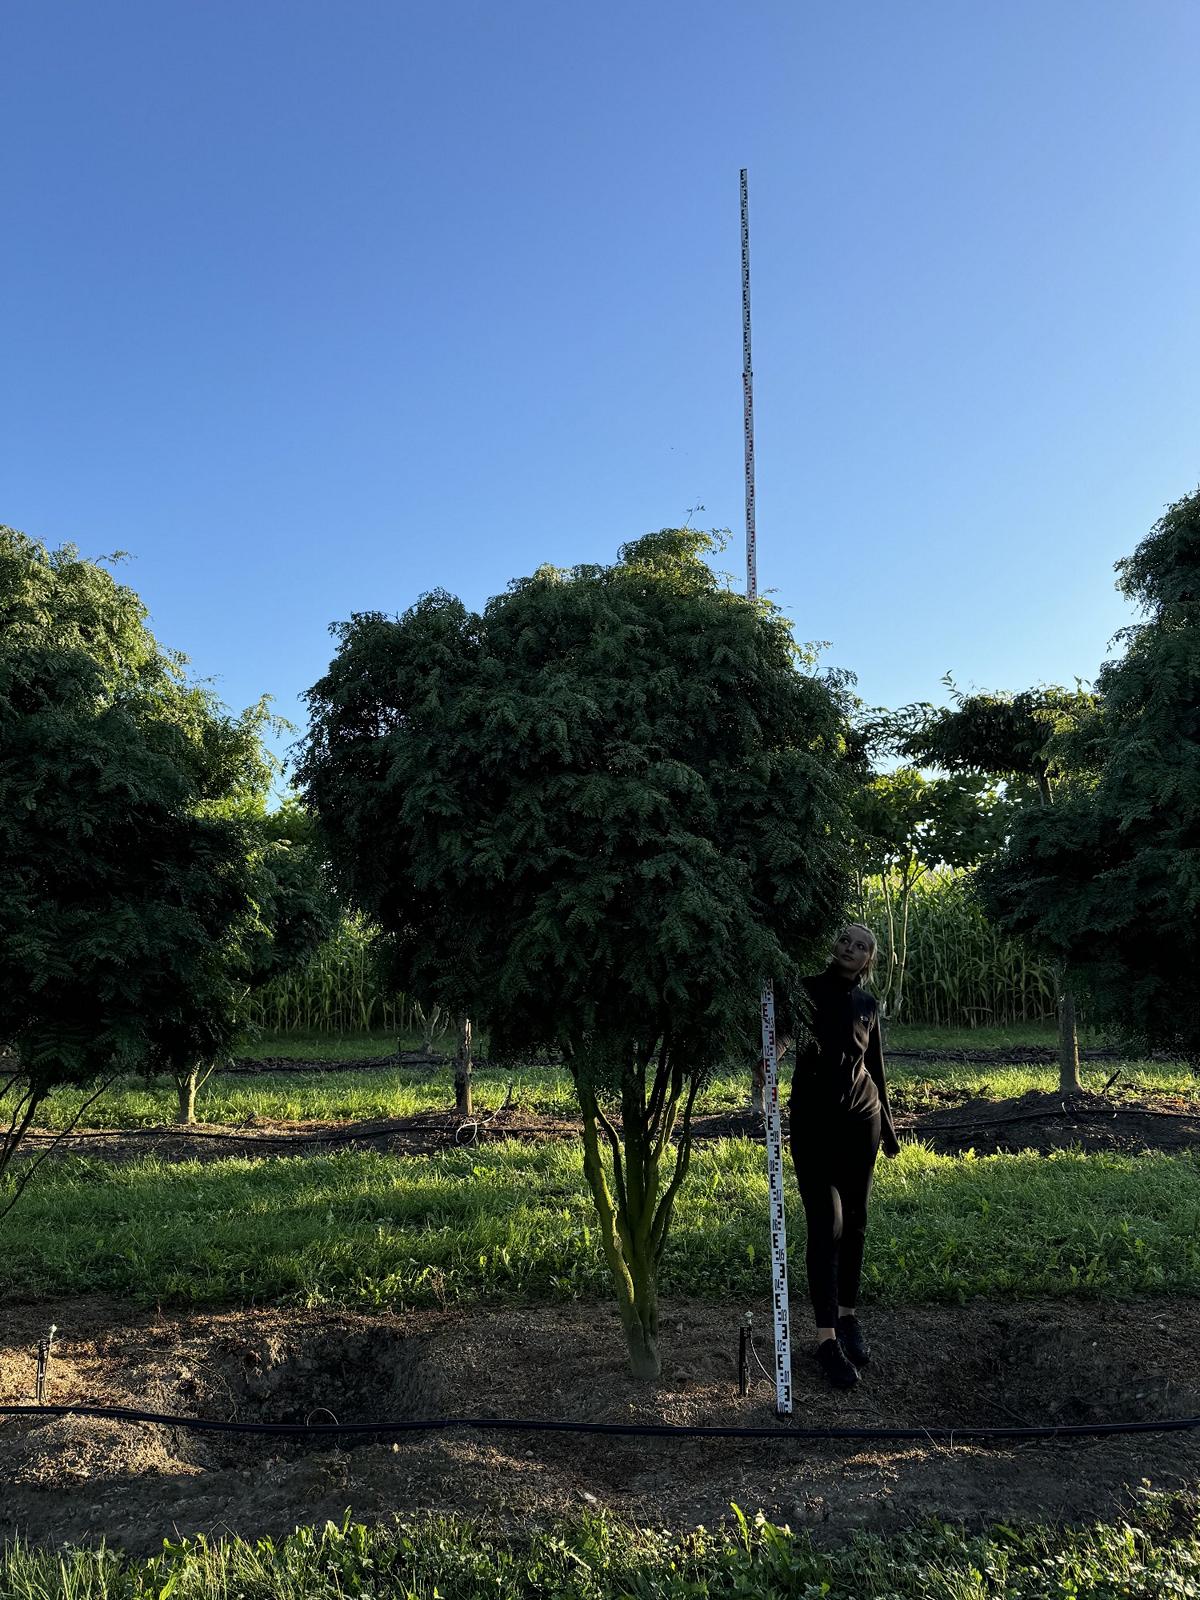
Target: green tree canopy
593	817
139	889
1021	736
1109	877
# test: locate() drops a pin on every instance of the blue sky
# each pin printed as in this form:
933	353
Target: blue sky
315	307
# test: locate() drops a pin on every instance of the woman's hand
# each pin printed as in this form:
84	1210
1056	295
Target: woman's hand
889	1142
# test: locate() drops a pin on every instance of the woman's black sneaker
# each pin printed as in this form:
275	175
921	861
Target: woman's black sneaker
850	1337
836	1365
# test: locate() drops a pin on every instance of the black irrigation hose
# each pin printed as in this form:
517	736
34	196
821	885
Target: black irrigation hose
340	1136
1078	1112
655	1430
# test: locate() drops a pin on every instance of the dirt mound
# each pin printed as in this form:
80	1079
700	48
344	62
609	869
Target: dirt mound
76	1479
1047	1121
81	1450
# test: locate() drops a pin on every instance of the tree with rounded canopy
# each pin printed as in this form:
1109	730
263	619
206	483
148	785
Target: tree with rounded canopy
1109	877
135	887
1019	738
593	817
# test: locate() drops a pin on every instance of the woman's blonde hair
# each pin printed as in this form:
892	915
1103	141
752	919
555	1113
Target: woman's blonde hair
868	969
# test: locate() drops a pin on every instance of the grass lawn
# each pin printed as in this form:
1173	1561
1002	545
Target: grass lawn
515	1221
1154	1558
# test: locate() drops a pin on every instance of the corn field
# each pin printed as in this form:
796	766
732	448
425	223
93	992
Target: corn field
961	972
336	991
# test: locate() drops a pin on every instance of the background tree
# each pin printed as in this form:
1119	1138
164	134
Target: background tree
115	889
125	869
593	817
1021	739
908	826
293	910
1109	878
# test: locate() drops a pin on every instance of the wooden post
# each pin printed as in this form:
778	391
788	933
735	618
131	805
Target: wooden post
462	1068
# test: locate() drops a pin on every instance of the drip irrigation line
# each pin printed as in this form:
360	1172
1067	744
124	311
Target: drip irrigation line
1068	1112
338	1136
655	1430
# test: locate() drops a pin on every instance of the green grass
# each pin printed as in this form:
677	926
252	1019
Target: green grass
902	1036
918	1084
230	1099
1156	1557
514	1221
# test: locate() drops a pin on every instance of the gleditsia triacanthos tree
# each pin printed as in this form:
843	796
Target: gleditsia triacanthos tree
593	816
1021	739
1109	877
124	881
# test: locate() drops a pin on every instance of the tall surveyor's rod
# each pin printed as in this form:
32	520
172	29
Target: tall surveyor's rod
770	1069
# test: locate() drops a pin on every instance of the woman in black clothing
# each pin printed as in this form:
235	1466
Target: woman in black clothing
839	1116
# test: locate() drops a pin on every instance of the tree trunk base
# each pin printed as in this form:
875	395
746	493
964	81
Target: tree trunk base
1068	1046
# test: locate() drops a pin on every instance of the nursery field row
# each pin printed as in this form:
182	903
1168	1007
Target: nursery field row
349	1096
514	1221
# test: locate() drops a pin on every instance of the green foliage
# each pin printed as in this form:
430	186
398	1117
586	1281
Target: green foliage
962	972
141	889
602	809
1011	736
910	824
114	889
1155	1558
1109	878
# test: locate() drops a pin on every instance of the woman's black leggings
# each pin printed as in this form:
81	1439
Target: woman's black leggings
835	1153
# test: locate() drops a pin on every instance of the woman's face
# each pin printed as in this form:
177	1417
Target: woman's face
851	951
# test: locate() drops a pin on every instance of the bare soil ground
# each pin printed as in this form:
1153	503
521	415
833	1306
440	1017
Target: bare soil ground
77	1479
1045	1122
1035	1121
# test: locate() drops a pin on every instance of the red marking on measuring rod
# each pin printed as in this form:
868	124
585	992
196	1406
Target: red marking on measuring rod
779	1277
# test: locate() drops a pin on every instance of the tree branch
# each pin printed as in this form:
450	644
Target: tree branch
9	1152
683	1160
614	1140
659	1090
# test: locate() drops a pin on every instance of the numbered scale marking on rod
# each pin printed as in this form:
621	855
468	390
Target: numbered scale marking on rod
779	1270
770	1070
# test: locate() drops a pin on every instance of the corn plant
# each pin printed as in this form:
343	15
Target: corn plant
961	972
338	990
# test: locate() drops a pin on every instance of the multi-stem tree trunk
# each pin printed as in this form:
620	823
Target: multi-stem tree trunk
188	1083
634	1184
463	1068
